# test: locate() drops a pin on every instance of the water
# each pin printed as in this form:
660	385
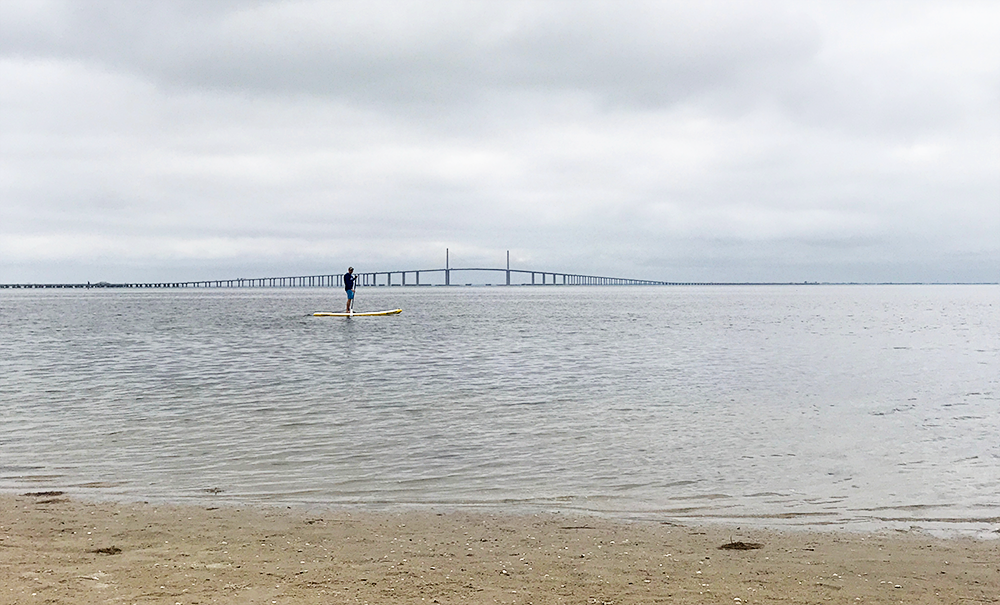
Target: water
862	407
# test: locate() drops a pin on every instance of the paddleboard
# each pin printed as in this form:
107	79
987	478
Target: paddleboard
365	314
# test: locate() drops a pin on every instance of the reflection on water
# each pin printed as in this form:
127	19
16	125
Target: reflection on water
852	406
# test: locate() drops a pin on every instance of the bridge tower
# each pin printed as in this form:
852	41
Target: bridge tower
447	268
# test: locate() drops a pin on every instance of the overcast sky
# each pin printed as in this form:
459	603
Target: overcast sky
709	140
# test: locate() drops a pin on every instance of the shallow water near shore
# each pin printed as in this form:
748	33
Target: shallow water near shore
858	407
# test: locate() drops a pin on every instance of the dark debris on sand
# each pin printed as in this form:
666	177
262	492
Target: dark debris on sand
741	546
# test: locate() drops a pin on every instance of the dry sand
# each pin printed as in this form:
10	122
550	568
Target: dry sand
57	550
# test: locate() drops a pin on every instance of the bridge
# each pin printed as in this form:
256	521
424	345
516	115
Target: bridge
412	277
448	276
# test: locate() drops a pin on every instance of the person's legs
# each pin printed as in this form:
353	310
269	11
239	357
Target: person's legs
350	301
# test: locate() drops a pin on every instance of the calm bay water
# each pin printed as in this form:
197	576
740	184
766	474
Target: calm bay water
843	406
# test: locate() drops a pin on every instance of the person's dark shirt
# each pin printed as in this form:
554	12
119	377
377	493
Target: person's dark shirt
348	281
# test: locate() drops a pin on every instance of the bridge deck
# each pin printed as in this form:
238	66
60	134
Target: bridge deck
521	277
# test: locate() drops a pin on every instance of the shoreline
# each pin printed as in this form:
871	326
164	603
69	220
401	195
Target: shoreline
57	549
942	527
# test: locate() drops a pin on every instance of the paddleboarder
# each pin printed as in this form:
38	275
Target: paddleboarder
349	286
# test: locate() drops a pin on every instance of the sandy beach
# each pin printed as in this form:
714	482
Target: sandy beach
54	549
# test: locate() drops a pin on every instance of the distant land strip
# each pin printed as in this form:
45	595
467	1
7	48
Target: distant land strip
441	277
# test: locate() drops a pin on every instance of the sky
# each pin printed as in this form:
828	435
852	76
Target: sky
717	140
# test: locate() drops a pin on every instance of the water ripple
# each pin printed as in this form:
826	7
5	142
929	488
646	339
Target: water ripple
855	406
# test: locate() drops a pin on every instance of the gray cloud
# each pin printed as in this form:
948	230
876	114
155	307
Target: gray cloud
400	53
829	141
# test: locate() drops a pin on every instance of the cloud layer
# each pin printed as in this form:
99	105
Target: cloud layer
706	141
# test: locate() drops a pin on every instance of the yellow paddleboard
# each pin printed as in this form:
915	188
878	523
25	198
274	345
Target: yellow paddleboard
365	314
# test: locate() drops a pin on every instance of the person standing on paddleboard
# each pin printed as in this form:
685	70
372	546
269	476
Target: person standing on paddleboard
349	286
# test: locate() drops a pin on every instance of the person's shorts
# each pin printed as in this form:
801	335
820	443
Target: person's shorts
350	295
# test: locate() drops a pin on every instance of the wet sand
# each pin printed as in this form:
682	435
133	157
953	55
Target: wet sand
57	550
